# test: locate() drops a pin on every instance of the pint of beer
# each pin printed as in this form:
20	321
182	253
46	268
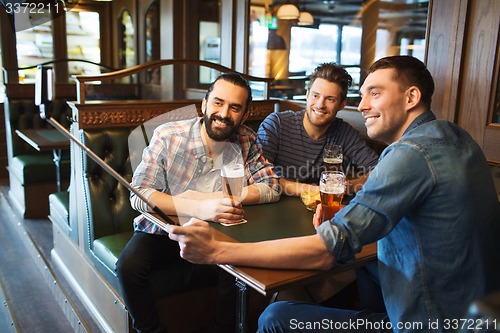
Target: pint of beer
332	189
333	158
232	181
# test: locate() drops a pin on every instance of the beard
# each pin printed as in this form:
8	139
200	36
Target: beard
219	134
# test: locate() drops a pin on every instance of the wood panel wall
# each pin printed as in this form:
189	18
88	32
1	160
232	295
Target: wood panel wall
461	55
475	109
447	20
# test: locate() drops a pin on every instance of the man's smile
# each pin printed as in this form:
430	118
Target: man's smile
370	119
221	123
320	112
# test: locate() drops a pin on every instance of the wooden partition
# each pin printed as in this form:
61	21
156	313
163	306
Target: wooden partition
107	114
84	80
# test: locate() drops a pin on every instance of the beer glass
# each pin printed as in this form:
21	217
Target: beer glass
232	181
333	158
332	189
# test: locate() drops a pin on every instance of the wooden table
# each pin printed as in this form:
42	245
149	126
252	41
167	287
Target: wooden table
286	218
47	139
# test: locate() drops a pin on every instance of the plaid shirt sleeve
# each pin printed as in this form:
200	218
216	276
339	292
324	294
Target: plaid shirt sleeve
150	173
168	163
258	169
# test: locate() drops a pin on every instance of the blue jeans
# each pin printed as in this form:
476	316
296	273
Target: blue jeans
306	317
369	290
301	317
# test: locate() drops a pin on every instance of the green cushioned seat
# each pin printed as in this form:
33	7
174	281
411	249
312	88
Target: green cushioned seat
108	248
33	173
59	208
37	168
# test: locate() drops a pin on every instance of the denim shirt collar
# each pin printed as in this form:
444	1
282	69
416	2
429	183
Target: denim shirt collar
422	119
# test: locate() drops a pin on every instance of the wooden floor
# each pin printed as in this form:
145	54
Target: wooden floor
34	296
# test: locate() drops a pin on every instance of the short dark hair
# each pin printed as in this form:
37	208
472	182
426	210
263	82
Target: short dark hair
334	73
409	71
235	79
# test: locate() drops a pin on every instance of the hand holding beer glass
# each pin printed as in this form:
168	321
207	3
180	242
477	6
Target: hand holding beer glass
333	158
332	189
233	181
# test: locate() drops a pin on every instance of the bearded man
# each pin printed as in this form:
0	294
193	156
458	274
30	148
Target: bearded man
180	174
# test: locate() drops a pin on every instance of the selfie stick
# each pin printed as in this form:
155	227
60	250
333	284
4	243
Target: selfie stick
44	94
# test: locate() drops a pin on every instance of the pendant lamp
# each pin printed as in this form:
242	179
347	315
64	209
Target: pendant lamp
305	18
288	12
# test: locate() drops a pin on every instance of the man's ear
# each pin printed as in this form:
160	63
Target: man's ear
203	105
413	97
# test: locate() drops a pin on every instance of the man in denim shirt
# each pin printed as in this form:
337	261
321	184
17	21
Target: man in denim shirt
430	203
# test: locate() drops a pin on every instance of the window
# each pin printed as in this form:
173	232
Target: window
203	41
152	41
152	32
83	38
258	49
209	49
126	33
34	46
310	47
337	35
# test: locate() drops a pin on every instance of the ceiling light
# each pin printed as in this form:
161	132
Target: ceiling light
305	18
288	12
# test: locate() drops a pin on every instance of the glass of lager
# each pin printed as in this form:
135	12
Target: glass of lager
333	158
232	181
332	189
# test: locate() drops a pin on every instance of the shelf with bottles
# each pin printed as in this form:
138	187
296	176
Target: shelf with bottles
43	31
90	51
73	24
34	46
27	75
82	23
44	28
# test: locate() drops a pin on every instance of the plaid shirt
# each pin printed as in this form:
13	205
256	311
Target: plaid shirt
176	156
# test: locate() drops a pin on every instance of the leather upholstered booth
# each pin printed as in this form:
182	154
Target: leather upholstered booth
32	174
106	201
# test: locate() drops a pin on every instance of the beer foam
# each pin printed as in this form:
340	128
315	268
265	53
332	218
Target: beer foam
233	171
337	190
332	160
